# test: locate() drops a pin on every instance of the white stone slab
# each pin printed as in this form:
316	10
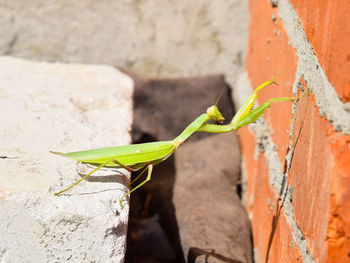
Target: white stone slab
61	107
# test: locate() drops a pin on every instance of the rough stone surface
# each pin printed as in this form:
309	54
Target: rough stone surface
63	108
213	224
153	37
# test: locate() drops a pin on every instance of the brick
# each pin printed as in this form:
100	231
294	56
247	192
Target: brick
338	232
265	210
327	27
284	247
310	177
269	53
248	148
319	174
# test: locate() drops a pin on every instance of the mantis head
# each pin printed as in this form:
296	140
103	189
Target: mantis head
214	114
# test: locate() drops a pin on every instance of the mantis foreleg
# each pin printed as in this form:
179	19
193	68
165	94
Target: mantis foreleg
245	120
245	115
249	102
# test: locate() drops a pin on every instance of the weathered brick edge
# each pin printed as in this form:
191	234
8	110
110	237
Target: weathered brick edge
325	95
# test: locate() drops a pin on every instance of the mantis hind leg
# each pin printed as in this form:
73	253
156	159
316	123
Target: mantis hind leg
139	175
96	169
150	168
83	178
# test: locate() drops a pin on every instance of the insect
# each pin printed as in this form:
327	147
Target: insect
144	156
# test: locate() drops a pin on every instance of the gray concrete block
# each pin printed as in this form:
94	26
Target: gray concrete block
152	37
61	107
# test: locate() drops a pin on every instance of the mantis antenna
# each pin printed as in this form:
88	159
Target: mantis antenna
220	96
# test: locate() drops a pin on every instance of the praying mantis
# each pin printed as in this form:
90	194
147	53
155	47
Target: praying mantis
144	156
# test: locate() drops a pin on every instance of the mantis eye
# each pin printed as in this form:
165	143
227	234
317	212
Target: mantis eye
215	114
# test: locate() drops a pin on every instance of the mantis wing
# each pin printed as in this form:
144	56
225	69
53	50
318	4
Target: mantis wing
128	155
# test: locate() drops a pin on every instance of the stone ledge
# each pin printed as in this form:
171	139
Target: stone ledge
61	107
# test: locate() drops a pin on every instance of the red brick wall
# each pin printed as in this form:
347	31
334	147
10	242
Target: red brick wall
327	25
314	222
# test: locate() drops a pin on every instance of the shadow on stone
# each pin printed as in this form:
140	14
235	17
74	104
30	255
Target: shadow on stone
195	252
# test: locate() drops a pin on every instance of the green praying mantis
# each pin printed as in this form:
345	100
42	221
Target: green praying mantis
144	156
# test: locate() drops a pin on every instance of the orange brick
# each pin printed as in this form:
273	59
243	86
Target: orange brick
263	210
327	27
310	176
246	139
270	53
283	247
338	234
321	178
320	166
